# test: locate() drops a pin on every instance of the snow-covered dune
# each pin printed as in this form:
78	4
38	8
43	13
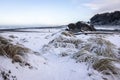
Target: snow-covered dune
61	55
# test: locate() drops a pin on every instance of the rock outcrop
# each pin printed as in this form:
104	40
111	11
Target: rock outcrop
80	26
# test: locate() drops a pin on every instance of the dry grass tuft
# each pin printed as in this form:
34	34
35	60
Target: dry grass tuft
3	40
106	67
101	47
66	33
101	55
10	50
102	64
84	56
65	42
12	36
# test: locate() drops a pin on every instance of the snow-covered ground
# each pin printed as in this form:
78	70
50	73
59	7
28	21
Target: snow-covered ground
108	27
53	60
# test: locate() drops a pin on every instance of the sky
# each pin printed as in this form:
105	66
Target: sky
52	12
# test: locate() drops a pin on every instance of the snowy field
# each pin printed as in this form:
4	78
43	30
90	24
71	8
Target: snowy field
55	58
107	27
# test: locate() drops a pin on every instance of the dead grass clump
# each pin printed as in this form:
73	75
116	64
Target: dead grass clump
18	58
65	42
101	55
3	40
10	50
12	36
103	65
106	67
63	45
66	33
84	56
101	47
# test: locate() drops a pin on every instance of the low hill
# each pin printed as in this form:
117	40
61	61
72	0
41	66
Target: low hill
112	18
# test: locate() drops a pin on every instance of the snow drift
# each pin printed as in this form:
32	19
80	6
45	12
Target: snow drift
59	56
99	53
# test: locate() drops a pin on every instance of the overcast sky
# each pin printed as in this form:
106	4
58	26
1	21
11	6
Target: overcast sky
52	12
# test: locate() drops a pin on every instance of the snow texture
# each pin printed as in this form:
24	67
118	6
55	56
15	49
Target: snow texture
60	55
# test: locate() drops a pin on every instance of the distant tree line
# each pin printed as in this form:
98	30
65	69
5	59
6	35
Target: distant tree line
106	19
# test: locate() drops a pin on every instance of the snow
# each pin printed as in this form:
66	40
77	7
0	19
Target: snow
108	27
115	39
48	64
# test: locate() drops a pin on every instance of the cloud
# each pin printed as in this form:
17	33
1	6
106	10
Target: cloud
103	5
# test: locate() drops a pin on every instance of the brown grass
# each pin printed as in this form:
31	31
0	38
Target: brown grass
106	66
62	41
101	55
66	33
4	40
10	50
84	56
100	47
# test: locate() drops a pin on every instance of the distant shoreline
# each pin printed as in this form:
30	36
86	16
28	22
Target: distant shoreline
26	28
18	28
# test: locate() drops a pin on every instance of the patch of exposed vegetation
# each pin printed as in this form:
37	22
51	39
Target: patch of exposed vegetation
101	55
98	53
13	51
12	36
100	47
7	75
70	34
105	66
84	56
66	40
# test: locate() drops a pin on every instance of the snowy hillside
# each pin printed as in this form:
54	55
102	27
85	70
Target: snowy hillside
54	54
